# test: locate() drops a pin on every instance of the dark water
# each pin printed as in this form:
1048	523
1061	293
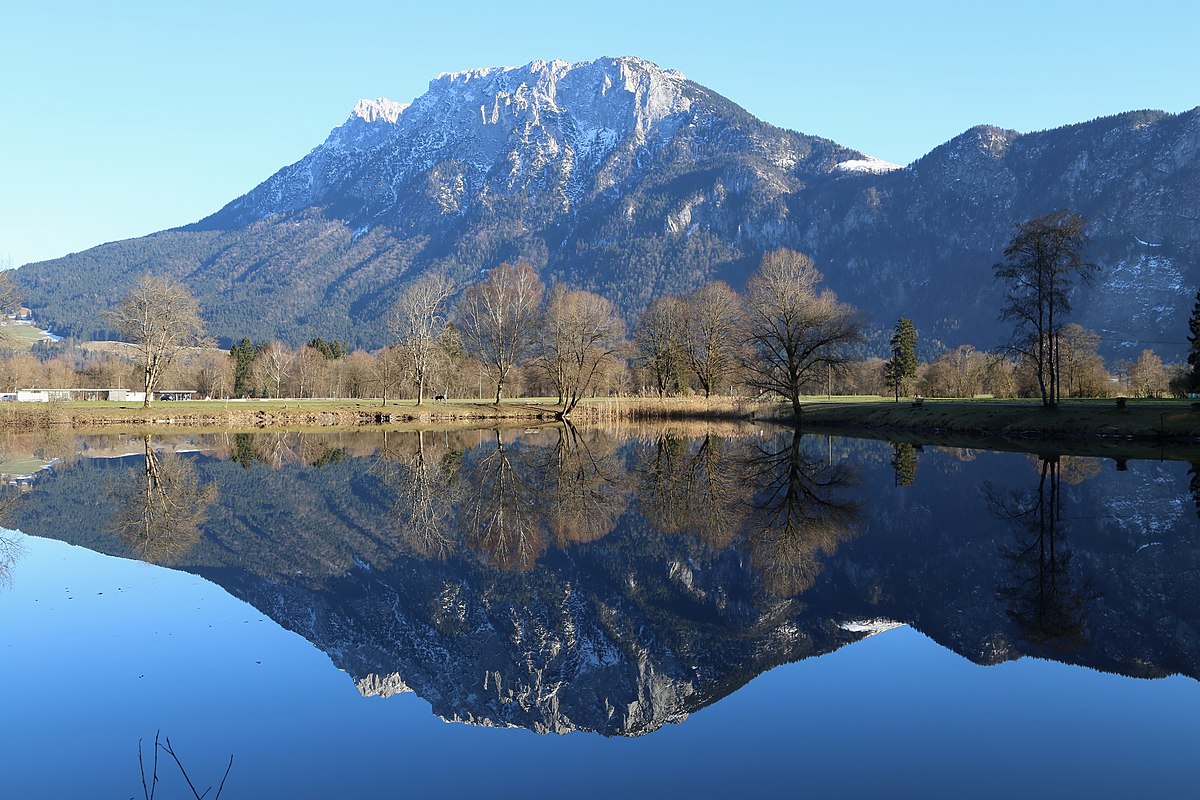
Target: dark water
731	612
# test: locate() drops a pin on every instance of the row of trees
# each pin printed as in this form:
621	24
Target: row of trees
775	338
771	338
273	369
1080	370
781	336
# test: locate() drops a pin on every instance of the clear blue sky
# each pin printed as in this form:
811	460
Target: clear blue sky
123	118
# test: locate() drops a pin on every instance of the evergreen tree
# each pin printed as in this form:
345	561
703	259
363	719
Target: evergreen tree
243	354
903	365
1193	357
331	350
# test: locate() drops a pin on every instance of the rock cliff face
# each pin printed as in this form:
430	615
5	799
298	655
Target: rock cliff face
628	179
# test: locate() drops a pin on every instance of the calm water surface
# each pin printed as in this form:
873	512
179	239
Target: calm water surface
662	612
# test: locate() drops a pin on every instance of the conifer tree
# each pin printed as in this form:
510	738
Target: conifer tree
1193	357
903	365
243	354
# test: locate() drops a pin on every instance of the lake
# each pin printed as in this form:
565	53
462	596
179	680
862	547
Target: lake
663	611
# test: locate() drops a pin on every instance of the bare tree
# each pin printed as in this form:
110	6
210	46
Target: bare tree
160	318
792	330
582	338
387	367
711	333
1147	376
356	375
659	343
499	319
1040	262
212	374
418	321
19	370
310	368
274	365
1082	366
955	373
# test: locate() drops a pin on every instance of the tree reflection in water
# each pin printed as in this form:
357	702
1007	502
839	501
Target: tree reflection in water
424	492
799	511
518	498
695	485
161	508
1194	484
904	463
500	511
584	484
11	550
1042	600
514	498
11	547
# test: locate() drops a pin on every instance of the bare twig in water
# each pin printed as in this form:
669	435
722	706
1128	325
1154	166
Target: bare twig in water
167	748
149	794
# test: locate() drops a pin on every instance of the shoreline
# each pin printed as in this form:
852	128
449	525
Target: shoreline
84	416
1156	422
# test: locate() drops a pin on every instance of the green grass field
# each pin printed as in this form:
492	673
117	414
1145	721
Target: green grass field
21	337
13	464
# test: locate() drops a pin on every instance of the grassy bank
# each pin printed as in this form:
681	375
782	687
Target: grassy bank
1143	420
307	414
1155	421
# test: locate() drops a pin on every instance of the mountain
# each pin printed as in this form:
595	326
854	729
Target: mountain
625	178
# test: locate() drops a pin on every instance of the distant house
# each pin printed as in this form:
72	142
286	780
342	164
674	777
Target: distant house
42	395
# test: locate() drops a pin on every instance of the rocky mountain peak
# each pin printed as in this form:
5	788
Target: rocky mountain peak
586	93
377	110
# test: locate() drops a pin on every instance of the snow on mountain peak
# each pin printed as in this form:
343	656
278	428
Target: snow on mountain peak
382	108
867	164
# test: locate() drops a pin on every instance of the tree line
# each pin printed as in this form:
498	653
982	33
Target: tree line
782	336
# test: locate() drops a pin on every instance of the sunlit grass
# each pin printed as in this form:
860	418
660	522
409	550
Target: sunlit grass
21	337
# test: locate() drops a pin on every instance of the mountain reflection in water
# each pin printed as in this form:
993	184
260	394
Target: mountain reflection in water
565	579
